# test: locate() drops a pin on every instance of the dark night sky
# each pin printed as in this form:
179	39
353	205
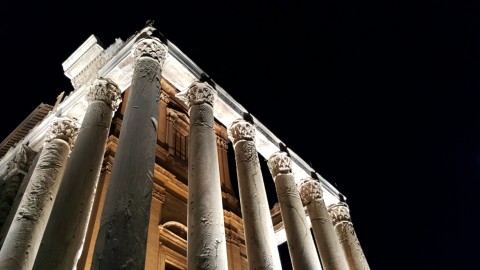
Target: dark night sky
380	97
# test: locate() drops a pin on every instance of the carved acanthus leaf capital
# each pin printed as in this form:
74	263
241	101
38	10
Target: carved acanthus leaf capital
339	213
105	90
150	46
241	130
65	129
310	190
198	93
279	163
21	162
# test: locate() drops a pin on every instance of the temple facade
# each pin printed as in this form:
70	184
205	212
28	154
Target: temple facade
133	170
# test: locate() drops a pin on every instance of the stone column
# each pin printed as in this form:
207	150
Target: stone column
262	251
65	232
300	242
25	234
122	237
207	248
348	238
13	178
85	260
331	252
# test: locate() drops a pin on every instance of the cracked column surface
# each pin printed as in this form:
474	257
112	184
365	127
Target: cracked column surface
301	246
262	251
328	245
207	248
25	234
65	232
340	215
14	177
122	236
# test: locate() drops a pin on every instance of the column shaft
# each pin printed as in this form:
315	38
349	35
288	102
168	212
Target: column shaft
25	234
262	251
300	242
65	232
122	237
328	245
85	260
207	248
348	238
14	179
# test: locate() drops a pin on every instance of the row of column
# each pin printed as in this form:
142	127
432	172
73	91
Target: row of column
327	224
52	236
121	242
206	232
122	237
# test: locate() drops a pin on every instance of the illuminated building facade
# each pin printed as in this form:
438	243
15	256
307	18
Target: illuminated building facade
131	171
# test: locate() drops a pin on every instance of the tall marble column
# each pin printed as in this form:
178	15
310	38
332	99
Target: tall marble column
348	238
328	246
13	178
262	251
122	237
25	234
65	232
300	242
207	248
19	196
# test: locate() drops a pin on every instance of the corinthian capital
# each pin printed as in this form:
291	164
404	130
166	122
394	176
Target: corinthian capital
339	213
198	93
150	46
278	163
241	130
310	190
105	90
20	163
65	129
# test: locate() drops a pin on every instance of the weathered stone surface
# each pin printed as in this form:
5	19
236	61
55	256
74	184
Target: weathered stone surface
259	233
299	239
24	236
326	239
340	214
67	226
207	247
122	237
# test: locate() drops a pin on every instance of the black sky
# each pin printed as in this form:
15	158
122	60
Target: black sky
380	97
